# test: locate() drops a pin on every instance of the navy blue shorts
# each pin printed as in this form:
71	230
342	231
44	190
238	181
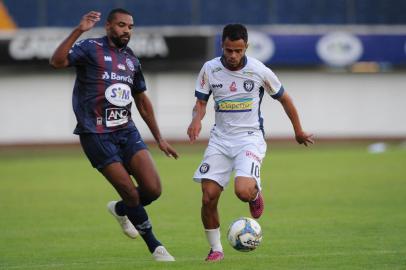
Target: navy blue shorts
106	148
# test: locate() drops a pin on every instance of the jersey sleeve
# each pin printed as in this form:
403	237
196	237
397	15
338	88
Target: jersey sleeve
272	84
202	89
139	81
78	53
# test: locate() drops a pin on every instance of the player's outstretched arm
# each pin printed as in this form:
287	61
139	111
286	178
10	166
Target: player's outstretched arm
146	111
199	111
60	57
290	109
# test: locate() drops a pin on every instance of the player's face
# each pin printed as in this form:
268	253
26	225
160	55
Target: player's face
119	29
233	52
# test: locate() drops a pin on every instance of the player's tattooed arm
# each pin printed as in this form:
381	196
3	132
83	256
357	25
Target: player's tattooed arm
199	111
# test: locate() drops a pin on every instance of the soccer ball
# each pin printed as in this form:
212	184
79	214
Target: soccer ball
244	234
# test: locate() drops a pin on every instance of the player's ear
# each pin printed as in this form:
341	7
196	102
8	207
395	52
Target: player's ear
107	27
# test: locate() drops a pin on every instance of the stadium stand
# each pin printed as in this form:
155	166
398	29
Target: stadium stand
48	13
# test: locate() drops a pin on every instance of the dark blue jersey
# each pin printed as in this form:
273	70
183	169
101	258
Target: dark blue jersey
106	80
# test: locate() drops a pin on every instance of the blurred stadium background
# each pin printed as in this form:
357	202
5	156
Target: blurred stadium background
343	61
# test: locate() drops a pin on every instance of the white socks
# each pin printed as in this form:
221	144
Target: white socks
213	237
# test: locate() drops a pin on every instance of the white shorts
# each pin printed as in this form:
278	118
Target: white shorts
242	154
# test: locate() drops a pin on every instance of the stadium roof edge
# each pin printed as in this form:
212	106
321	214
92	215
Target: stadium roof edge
213	30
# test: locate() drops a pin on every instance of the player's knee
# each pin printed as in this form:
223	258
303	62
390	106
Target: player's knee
208	199
153	191
128	193
243	194
150	193
154	194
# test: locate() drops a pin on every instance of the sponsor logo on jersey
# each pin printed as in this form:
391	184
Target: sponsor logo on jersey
248	85
121	66
118	94
236	105
217	69
96	42
115	76
116	116
248	73
233	87
218	85
204	168
106	76
130	64
79	43
99	121
107	58
252	155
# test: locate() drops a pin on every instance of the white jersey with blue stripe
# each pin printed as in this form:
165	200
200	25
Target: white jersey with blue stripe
237	94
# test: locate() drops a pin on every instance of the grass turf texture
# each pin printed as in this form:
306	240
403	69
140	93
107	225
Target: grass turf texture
329	207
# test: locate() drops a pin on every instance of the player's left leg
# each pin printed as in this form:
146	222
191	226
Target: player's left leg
247	164
246	189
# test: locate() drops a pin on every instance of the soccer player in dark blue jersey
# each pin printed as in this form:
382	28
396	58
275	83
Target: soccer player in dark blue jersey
108	79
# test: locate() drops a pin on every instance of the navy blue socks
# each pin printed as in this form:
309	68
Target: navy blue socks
139	218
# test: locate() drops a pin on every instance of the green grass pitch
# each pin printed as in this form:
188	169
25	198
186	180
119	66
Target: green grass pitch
327	207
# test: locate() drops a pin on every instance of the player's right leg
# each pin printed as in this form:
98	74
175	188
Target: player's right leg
213	174
119	178
211	193
106	155
102	153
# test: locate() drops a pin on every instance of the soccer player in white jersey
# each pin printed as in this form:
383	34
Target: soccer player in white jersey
237	83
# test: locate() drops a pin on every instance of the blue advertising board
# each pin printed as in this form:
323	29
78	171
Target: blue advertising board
333	49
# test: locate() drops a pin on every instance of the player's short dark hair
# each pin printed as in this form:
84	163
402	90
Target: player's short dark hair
235	32
113	12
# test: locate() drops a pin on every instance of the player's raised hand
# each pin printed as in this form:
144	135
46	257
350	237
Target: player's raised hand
304	138
167	149
89	20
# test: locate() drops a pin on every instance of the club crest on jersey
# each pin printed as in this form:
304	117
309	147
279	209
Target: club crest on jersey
118	94
233	87
130	64
107	58
204	168
248	85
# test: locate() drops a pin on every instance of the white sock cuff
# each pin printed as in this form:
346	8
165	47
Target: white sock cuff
213	230
213	237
